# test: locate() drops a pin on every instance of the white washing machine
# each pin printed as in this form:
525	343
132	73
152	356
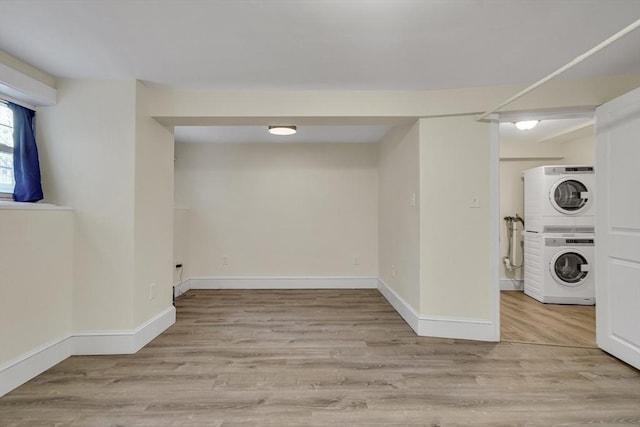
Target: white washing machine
559	269
559	199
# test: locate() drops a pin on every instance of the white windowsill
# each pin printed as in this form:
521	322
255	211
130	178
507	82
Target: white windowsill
10	204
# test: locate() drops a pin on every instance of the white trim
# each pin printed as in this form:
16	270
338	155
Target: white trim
439	326
123	342
282	283
21	369
6	204
458	328
153	327
181	288
27	366
102	343
511	284
494	213
25	89
401	306
5	97
547	114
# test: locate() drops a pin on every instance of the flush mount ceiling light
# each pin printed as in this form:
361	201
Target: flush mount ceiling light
527	124
282	130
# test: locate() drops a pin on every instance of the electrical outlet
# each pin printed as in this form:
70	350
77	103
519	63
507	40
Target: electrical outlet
475	201
356	260
152	291
225	260
393	270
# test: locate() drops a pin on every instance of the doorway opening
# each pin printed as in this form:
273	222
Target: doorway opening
255	210
536	302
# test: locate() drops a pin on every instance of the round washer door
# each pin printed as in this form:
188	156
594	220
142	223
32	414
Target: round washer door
569	267
569	196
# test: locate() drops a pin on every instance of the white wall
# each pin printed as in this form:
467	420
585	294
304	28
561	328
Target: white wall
456	257
517	156
399	219
87	281
86	144
279	210
153	216
105	157
36	255
181	244
581	150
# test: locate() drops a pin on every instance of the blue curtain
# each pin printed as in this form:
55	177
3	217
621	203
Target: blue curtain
26	167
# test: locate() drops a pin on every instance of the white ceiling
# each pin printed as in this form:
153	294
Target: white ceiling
323	45
314	44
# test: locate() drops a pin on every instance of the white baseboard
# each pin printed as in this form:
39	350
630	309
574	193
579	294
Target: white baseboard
458	328
511	284
18	371
23	368
181	288
123	342
153	327
407	312
439	326
283	283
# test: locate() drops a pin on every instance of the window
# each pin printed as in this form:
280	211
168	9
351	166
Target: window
6	151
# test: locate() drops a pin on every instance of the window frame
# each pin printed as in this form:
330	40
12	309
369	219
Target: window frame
5	149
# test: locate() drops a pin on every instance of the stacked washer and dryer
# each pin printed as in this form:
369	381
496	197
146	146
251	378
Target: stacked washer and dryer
559	239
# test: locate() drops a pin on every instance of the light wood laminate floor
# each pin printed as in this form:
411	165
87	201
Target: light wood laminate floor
323	358
523	319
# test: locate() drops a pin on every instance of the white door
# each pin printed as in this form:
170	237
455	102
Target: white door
618	227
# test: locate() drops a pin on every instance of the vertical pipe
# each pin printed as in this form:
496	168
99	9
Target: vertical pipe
514	242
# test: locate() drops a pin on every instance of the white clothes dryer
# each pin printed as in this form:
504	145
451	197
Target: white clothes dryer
559	199
560	269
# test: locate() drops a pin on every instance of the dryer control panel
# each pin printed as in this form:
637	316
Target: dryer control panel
566	170
559	241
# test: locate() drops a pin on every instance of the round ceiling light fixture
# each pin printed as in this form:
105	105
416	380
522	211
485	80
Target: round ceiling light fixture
527	124
282	130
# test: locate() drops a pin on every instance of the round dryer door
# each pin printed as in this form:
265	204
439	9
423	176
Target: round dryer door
569	196
569	268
